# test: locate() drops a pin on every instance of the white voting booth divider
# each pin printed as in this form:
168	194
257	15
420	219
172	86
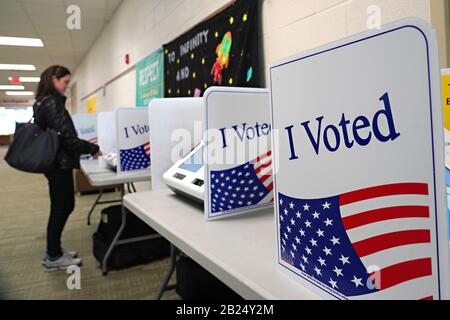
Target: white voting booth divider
86	126
107	138
133	144
360	189
176	129
237	153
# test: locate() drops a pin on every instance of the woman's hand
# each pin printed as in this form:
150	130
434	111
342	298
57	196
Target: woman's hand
98	154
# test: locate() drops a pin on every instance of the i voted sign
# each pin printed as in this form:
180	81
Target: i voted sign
133	139
86	127
360	189
237	152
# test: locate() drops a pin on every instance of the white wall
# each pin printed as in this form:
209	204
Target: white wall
288	27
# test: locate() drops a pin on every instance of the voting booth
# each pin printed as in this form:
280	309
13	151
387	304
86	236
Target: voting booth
360	185
133	140
107	139
238	156
124	138
86	127
176	131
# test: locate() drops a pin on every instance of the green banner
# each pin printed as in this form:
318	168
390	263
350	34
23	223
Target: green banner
150	78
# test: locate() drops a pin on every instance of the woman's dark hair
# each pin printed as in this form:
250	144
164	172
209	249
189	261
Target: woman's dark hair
45	86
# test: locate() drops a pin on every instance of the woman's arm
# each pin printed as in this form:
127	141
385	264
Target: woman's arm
58	119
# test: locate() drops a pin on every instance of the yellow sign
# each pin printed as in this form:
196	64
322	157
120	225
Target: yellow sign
91	105
446	100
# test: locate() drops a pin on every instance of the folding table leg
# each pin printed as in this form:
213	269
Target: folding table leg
119	233
164	284
93	206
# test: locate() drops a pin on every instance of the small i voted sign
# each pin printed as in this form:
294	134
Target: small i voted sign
360	189
86	127
237	152
133	140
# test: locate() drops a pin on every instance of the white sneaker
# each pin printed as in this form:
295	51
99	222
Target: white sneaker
63	262
72	254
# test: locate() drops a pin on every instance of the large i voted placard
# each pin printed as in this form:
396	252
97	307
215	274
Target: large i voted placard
133	140
237	151
360	189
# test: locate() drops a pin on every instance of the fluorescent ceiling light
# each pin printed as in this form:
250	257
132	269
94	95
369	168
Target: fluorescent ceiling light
11	87
26	67
19	93
16	41
27	79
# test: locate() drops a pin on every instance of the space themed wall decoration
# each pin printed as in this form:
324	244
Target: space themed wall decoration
221	51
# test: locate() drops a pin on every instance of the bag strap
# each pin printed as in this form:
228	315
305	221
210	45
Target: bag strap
39	104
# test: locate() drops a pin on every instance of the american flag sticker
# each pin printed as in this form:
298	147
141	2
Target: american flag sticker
334	241
135	158
359	192
249	184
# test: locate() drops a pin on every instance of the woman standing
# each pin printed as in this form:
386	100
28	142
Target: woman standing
50	112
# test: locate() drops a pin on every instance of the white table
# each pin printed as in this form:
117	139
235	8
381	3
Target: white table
110	178
240	251
92	166
98	177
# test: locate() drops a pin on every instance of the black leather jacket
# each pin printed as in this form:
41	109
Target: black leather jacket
51	113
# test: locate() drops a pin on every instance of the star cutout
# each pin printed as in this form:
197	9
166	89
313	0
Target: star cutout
316	215
299	215
328	222
308	250
313	242
326	205
306	207
291	205
308	224
293	222
297	240
302	232
281	202
319	233
305	259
